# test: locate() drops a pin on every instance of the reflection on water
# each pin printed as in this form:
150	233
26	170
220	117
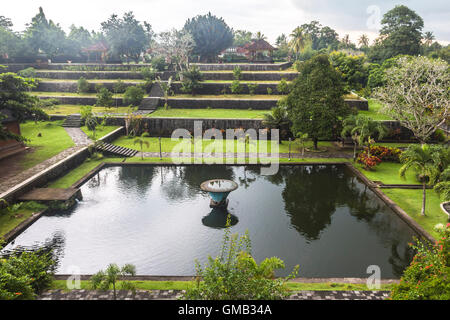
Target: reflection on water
217	219
157	218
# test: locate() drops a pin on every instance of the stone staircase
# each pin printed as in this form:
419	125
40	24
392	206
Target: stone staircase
73	121
115	150
149	104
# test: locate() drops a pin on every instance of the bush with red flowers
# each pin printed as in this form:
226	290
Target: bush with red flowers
385	153
368	161
428	276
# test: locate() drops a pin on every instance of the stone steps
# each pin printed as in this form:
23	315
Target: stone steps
116	150
73	121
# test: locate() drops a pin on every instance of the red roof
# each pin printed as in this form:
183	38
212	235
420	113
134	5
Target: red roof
258	45
99	46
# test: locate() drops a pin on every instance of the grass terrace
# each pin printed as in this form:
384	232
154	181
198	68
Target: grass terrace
209	113
66	109
229	96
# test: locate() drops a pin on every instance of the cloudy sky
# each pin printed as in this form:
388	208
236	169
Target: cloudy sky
271	17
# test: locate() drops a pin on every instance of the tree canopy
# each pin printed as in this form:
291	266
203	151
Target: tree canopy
211	35
315	103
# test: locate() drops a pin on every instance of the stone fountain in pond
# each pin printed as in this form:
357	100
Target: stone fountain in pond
219	189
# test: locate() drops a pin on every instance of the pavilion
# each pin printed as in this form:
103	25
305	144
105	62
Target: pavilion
259	51
99	49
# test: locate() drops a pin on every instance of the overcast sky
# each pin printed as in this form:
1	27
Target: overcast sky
271	17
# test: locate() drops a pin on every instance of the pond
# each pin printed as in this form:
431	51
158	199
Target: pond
320	217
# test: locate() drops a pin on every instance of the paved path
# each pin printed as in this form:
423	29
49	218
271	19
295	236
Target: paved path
233	155
78	136
175	294
12	176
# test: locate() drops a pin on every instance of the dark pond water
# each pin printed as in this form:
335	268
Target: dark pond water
157	218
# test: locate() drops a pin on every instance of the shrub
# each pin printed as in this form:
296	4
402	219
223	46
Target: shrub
104	98
252	88
191	80
236	275
98	87
105	279
133	96
428	276
159	64
147	85
148	73
236	87
237	73
25	275
368	161
385	153
269	91
48	103
283	87
119	86
296	65
28	73
83	85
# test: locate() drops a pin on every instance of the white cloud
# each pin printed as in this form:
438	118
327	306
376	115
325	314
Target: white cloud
271	17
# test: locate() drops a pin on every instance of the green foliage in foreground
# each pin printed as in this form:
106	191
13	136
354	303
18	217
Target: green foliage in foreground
103	280
235	275
25	275
428	276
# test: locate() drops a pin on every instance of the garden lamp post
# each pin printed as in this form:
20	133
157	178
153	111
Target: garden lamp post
160	150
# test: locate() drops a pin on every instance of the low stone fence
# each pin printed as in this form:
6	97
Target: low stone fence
210	88
361	104
16	67
229	103
251	76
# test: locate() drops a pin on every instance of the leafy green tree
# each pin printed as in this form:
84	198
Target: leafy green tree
126	36
119	86
133	96
110	277
301	139
16	100
401	33
252	87
236	87
45	35
235	275
83	85
421	158
283	86
315	104
104	98
5	22
322	37
241	37
211	35
353	68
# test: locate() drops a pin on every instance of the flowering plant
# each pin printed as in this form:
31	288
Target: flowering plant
428	276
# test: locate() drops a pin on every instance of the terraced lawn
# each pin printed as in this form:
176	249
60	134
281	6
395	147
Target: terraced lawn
228	96
66	109
209	113
54	139
70	94
374	111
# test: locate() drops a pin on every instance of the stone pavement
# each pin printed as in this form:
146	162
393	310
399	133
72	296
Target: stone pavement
251	155
78	136
176	294
13	178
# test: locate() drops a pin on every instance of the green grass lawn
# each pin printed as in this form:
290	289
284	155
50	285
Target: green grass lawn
387	172
66	109
167	145
183	285
69	94
10	220
54	139
100	131
374	111
209	113
228	96
411	202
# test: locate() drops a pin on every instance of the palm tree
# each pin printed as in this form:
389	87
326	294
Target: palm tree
260	36
141	142
428	38
424	159
278	119
346	41
362	129
363	40
104	279
298	41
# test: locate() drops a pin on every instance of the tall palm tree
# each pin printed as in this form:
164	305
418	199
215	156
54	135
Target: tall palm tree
104	279
298	41
363	40
424	159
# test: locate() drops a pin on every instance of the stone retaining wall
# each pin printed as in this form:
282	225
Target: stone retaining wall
243	66
243	104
